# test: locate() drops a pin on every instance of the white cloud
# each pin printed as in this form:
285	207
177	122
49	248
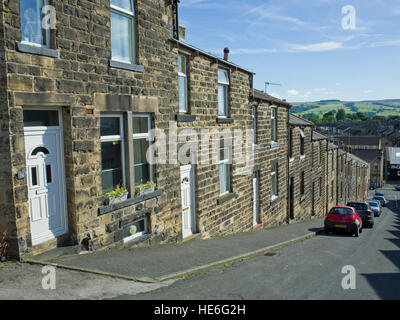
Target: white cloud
293	92
318	47
193	3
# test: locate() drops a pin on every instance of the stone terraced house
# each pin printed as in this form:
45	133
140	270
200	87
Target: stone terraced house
78	102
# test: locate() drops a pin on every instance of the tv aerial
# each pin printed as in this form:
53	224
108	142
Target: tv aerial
267	84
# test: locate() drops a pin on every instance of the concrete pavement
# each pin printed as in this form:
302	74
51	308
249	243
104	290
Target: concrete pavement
308	270
172	261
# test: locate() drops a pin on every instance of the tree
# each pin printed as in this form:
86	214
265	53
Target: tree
341	115
329	117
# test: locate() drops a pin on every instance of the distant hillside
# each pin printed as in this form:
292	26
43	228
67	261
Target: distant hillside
370	108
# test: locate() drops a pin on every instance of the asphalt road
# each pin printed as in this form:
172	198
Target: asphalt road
308	270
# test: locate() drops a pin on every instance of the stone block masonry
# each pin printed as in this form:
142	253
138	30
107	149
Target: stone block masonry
77	77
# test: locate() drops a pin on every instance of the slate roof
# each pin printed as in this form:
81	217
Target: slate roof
207	54
298	121
353	157
318	136
393	158
266	97
367	155
332	146
360	141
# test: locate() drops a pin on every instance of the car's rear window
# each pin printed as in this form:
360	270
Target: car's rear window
359	206
379	198
342	211
373	204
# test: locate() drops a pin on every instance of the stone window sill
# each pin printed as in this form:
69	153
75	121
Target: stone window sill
274	144
224	120
291	159
126	66
129	202
185	118
137	240
302	199
275	200
302	157
39	50
256	147
226	198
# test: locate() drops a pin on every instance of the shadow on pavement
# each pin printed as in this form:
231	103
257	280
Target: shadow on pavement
387	285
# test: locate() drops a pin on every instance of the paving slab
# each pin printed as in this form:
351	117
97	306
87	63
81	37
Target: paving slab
163	262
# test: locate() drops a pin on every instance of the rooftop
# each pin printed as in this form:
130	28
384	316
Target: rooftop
298	121
358	140
266	97
367	155
394	155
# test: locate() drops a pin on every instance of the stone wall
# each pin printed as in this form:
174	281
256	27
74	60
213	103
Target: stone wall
273	212
319	177
302	163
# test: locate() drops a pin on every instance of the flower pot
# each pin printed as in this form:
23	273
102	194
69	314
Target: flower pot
144	191
116	200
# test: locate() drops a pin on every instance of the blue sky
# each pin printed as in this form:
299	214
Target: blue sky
302	45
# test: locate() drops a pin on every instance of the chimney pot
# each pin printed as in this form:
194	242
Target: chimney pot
226	54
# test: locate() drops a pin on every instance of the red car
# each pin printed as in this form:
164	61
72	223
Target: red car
343	218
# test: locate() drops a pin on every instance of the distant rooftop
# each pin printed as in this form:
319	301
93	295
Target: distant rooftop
367	155
394	155
298	121
357	140
265	96
318	136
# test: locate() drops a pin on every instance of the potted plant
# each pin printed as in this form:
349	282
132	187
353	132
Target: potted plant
118	195
3	247
145	188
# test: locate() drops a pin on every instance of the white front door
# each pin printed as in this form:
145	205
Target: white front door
255	199
46	186
188	205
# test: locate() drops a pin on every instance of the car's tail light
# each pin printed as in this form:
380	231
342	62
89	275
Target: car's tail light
349	219
368	212
331	218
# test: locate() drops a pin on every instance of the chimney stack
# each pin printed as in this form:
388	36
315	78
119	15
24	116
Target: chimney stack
226	54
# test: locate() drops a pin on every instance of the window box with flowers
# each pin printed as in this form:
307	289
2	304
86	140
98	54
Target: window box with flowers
118	195
145	188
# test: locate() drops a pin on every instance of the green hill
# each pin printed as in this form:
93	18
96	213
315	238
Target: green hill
370	108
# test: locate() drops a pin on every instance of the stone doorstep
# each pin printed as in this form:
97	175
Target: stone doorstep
196	236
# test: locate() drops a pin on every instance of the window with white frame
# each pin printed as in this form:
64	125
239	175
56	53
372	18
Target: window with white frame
135	230
274	180
123	31
182	84
254	123
273	125
141	136
32	30
112	152
223	85
224	168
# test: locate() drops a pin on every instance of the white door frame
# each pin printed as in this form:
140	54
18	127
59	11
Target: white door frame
61	168
192	216
256	196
